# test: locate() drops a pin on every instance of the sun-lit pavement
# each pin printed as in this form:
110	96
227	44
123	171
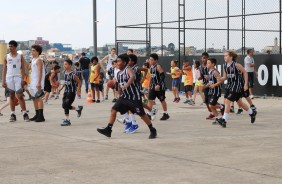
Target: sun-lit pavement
189	149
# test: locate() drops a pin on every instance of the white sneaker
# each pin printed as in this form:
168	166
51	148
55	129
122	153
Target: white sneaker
154	113
252	96
46	103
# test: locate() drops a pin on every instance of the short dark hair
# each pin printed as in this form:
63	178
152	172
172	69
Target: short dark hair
76	64
175	61
154	56
186	61
113	49
205	54
69	61
83	54
124	58
146	64
14	43
131	50
38	48
55	62
57	67
249	50
197	63
212	60
133	58
94	58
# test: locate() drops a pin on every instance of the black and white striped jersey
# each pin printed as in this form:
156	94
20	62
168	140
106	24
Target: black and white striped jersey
132	92
70	83
213	80
138	76
234	82
156	78
204	74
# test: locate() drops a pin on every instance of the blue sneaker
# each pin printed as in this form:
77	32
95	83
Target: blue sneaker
132	129
127	126
187	101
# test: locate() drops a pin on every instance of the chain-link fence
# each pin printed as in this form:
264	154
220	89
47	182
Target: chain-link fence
189	27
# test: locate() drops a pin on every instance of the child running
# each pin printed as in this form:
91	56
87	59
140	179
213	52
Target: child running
175	73
188	81
130	100
70	92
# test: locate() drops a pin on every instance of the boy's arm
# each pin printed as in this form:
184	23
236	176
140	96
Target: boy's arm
218	78
39	64
63	86
242	69
131	79
78	84
22	69
102	61
162	76
4	73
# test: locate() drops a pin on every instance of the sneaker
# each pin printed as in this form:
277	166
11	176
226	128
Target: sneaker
34	117
1	114
215	122
121	120
239	111
93	101
127	126
105	131
253	107
114	100
52	96
13	118
187	101
57	97
26	118
132	129
165	117
154	113
79	96
211	116
66	123
153	133
232	110
46	103
79	111
222	122
252	96
106	97
149	116
191	102
202	104
175	99
253	116
222	110
98	101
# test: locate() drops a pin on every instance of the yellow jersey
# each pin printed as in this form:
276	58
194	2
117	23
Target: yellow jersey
173	71
146	83
94	74
188	77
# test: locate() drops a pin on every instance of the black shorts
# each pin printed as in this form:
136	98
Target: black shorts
101	87
245	94
213	99
7	94
188	88
206	93
95	86
68	99
157	94
251	79
232	96
124	105
116	86
47	87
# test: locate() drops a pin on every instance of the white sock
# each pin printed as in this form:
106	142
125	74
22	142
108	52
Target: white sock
67	118
165	112
250	111
133	119
225	116
23	112
13	112
126	117
149	113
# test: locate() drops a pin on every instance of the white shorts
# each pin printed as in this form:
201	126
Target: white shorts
14	84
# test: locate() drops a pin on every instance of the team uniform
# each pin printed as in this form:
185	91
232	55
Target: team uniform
205	73
34	75
101	82
176	80
70	91
94	78
155	80
188	81
235	86
78	73
130	100
215	93
13	76
47	83
109	63
146	83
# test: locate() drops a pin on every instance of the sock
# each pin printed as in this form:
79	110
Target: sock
149	113
225	116
13	112
165	112
110	126
250	111
76	108
67	117
23	112
151	127
132	118
126	118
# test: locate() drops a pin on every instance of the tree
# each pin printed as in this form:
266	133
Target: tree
171	48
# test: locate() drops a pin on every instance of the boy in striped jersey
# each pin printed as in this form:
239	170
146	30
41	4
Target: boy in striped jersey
71	81
234	87
130	100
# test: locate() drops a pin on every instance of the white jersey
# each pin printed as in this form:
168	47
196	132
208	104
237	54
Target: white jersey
116	72
34	75
14	65
110	61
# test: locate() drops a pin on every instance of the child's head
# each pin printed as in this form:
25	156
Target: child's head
76	64
154	58
146	65
122	61
114	63
57	69
211	63
230	56
205	57
132	60
185	63
129	51
36	50
94	60
197	64
67	64
113	51
173	63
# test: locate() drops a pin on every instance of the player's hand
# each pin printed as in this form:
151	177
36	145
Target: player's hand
157	88
246	87
38	86
257	75
212	86
168	73
206	77
4	84
78	92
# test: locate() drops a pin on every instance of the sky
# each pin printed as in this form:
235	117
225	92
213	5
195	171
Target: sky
59	21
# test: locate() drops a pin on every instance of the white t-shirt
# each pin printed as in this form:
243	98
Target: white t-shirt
248	60
110	61
116	72
34	74
14	65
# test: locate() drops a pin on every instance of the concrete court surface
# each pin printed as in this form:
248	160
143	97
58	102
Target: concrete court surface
189	149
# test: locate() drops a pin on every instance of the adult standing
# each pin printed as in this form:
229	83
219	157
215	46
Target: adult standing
250	68
109	61
85	66
13	79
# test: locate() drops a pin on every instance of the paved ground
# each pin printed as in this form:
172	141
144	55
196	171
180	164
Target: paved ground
188	149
